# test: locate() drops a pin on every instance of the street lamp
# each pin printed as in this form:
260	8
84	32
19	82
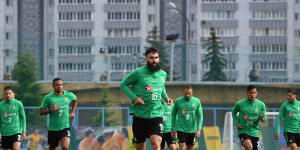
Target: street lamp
175	10
172	38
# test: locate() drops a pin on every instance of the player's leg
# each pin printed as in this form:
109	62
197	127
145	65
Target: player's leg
53	141
139	133
171	141
65	135
246	141
181	141
254	142
163	142
290	140
7	142
16	140
155	126
190	141
298	140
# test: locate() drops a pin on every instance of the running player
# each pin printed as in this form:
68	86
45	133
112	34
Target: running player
167	122
12	121
56	104
188	111
251	111
290	111
148	86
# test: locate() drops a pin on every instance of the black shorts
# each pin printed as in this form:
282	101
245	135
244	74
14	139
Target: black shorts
187	138
55	136
254	140
167	138
8	141
292	138
144	128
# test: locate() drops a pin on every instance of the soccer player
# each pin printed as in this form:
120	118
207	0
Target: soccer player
290	111
188	111
56	104
12	121
167	122
148	86
251	111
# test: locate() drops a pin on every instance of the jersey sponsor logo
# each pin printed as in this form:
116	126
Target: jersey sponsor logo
246	117
183	111
290	114
148	88
14	106
5	114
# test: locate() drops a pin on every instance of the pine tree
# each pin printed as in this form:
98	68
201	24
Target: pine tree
215	59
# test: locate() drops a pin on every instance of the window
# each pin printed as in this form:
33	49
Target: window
51	52
296	67
51	3
8	19
151	2
7	36
151	18
51	70
8	3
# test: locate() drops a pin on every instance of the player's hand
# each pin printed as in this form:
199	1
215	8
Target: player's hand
71	116
139	101
277	136
169	101
24	135
240	127
261	116
198	133
53	108
173	134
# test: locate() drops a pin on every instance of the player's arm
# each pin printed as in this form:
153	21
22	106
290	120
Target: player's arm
126	82
174	113
74	106
281	112
23	120
165	97
200	119
262	115
235	110
44	107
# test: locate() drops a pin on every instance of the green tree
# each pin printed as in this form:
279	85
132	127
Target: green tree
215	59
27	90
109	119
154	40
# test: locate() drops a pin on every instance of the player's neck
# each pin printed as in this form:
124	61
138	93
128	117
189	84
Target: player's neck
59	93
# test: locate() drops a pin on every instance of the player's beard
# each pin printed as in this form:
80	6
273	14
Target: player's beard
152	67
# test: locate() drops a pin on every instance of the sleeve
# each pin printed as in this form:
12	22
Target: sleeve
174	114
22	117
281	112
164	93
45	104
263	110
235	110
200	115
129	80
73	96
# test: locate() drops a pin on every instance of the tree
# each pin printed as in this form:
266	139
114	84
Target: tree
109	120
215	59
27	90
154	41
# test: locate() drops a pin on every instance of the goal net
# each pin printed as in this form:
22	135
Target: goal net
267	139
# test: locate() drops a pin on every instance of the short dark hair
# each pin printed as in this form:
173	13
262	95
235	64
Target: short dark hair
293	91
250	87
188	87
7	88
125	131
56	79
151	50
88	132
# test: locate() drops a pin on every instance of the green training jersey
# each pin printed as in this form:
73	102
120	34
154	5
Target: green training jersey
59	119
167	118
291	114
189	115
248	116
148	86
12	117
